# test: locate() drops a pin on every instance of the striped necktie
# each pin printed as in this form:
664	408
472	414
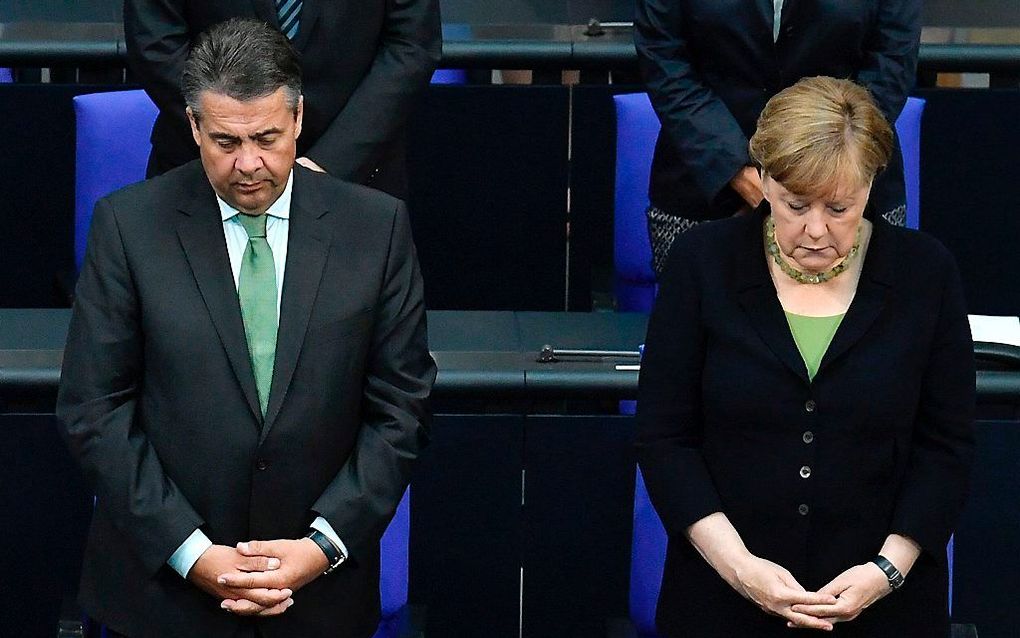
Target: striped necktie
256	291
289	12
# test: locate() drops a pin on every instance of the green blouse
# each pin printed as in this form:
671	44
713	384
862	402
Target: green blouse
813	336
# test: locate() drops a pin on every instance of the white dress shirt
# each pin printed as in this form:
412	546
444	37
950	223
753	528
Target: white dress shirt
277	229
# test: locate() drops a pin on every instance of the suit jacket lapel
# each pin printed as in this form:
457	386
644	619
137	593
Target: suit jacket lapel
266	10
307	248
200	231
872	293
757	296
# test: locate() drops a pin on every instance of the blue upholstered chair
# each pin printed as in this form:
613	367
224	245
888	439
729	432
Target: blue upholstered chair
908	129
637	127
6	75
112	152
449	76
393	569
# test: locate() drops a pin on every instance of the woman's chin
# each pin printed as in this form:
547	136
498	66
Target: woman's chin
813	266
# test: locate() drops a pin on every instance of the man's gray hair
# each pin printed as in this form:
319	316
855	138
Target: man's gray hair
243	59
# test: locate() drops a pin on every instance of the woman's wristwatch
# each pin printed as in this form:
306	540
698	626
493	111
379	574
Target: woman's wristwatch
332	552
893	574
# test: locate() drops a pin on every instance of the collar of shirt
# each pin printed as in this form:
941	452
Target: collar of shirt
280	208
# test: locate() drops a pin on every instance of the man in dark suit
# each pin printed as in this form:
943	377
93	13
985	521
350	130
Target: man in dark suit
247	359
363	63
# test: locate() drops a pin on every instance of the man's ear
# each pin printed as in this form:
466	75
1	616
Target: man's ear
299	116
194	126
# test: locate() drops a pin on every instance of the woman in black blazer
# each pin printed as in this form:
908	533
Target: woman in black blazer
805	415
710	66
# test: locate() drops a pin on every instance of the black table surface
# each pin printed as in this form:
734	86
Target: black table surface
479	354
67	39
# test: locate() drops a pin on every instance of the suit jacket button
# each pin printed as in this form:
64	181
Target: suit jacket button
808	436
262	465
805	472
810	405
803	509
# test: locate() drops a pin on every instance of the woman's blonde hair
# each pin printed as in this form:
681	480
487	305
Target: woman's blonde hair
820	134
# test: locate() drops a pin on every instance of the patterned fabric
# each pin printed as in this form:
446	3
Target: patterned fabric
663	228
289	12
896	216
256	290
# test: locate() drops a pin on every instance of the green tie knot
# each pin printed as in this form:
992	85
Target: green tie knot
254	225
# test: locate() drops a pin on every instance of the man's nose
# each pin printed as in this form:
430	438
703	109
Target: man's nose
248	159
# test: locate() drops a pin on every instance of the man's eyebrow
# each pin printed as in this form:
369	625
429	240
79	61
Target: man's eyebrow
266	133
227	137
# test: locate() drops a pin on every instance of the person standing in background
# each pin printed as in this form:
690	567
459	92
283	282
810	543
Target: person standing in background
711	65
363	63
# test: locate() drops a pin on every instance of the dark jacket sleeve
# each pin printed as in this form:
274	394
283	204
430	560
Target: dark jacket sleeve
97	402
700	128
158	41
669	418
410	47
361	499
890	56
942	447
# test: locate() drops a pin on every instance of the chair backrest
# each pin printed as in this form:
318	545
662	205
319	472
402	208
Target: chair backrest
449	76
647	560
112	151
6	75
637	128
393	556
908	129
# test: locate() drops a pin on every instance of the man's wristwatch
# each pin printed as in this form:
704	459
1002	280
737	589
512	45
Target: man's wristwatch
332	552
893	574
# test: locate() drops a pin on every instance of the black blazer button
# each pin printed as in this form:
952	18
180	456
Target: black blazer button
810	405
262	465
805	472
808	436
803	509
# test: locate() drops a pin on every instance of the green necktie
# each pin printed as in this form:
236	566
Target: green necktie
256	290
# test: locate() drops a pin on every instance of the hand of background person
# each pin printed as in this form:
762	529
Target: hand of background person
747	184
856	589
301	562
307	163
775	590
261	601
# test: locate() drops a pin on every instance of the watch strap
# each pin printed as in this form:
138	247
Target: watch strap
334	556
895	577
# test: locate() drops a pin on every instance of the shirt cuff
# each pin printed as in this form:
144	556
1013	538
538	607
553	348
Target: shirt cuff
189	552
322	525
